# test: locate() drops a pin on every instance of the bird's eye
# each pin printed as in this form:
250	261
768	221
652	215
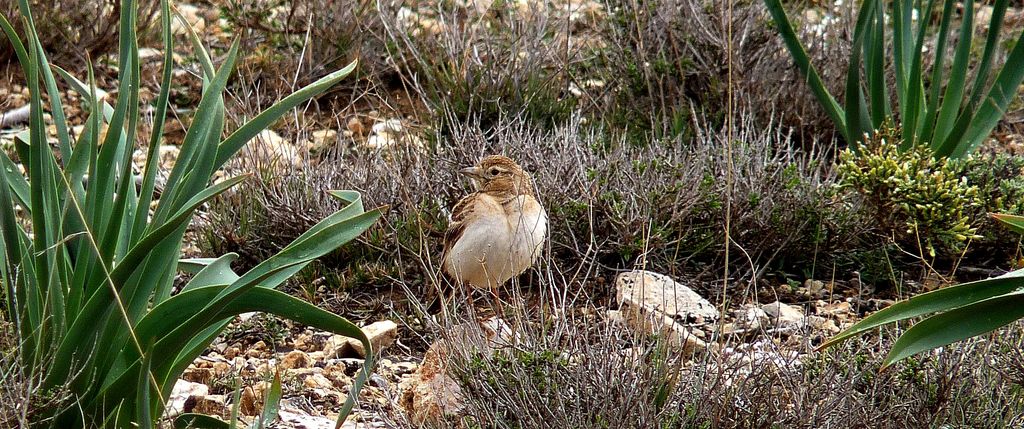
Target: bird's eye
495	171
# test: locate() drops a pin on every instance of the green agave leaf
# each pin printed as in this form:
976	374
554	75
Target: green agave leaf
207	116
953	97
1003	91
80	337
142	407
17	183
260	299
857	121
156	136
1014	222
271	404
84	90
935	301
298	254
957	324
217	272
932	109
198	421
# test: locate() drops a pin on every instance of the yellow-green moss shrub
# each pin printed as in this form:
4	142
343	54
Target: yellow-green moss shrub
918	197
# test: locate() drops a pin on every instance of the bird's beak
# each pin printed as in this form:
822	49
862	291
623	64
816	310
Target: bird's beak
473	172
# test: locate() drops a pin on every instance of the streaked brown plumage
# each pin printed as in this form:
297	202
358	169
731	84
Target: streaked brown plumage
497	232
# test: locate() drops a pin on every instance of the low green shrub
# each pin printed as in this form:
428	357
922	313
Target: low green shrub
919	198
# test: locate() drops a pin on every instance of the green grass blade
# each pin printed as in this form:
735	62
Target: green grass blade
13	178
956	325
1003	91
142	402
271	404
12	37
935	301
932	110
954	95
198	421
1014	222
160	116
235	405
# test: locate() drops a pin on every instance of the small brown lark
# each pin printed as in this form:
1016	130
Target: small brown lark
497	232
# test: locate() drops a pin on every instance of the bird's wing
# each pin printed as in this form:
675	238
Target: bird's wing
460	213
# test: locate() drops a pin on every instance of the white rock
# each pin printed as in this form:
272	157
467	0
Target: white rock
653	292
147	53
750	317
380	141
180	393
430	396
784	315
392	126
381	335
269	148
192	16
321	139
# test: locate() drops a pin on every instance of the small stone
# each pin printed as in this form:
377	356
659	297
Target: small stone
198	375
296	359
841	308
338	375
819	323
215	405
251	403
147	53
380	141
615	317
318	381
220	369
653	292
180	394
232	351
321	139
340	346
355	126
815	288
751	317
784	315
391	126
381	335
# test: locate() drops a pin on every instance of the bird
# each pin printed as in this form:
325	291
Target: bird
497	232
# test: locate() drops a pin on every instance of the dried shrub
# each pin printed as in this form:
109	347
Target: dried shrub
662	205
567	366
73	30
291	43
666	59
511	59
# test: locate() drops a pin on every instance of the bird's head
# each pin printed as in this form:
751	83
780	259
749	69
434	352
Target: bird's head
498	174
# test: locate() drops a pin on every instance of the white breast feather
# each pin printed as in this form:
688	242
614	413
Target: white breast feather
500	244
